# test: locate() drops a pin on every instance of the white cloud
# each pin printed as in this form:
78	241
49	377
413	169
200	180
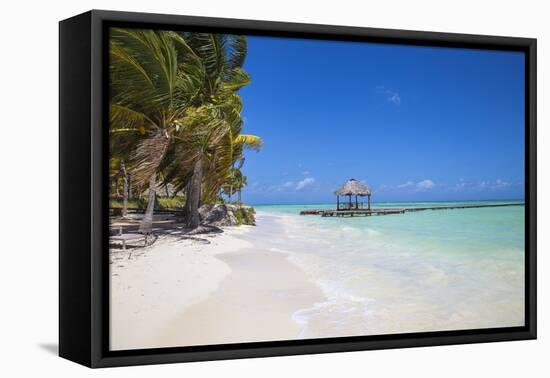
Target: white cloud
410	186
292	185
406	184
425	184
395	98
305	182
495	185
461	185
391	96
500	184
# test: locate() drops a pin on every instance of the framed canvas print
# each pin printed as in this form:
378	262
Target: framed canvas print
233	188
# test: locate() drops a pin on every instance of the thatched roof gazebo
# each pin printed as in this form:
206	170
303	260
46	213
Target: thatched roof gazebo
352	188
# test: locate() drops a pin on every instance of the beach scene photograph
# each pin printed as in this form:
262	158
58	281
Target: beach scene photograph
267	189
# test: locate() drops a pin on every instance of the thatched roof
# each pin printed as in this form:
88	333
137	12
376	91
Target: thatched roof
354	188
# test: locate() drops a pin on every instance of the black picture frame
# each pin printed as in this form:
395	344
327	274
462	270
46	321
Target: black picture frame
83	227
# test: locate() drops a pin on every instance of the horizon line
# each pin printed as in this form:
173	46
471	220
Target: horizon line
399	201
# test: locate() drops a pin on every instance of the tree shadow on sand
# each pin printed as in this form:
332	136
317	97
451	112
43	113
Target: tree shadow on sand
174	229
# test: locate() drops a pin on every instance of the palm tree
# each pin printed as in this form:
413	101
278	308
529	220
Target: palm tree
219	109
125	189
236	180
173	109
240	182
154	78
228	186
242	142
204	156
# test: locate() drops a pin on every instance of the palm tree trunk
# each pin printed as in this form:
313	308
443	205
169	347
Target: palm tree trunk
239	196
192	201
146	224
117	189
130	195
124	189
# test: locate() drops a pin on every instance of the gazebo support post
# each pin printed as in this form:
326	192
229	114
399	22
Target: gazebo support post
369	200
349	196
356	204
337	202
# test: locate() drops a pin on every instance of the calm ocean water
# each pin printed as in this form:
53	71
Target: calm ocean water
419	271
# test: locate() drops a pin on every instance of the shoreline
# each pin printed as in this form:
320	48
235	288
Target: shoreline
257	301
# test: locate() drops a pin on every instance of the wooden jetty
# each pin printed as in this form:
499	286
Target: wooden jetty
393	210
359	212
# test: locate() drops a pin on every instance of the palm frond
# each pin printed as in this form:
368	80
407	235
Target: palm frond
153	72
250	141
147	157
122	117
236	49
236	79
210	48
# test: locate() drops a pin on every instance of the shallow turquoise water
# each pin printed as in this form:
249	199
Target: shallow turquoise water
457	231
418	271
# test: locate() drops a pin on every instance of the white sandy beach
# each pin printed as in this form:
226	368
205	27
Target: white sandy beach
211	290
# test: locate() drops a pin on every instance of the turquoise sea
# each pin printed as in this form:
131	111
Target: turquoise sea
412	272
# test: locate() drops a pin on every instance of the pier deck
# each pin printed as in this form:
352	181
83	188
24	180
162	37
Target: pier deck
392	210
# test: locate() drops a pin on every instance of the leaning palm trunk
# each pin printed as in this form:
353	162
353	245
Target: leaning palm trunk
146	224
124	189
148	155
130	194
192	201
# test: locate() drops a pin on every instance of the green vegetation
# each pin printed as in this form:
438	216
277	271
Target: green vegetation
245	215
235	182
165	203
175	117
136	203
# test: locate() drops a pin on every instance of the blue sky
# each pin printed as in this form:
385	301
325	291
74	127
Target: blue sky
414	123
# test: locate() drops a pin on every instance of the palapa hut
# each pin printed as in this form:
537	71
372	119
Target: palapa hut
352	188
